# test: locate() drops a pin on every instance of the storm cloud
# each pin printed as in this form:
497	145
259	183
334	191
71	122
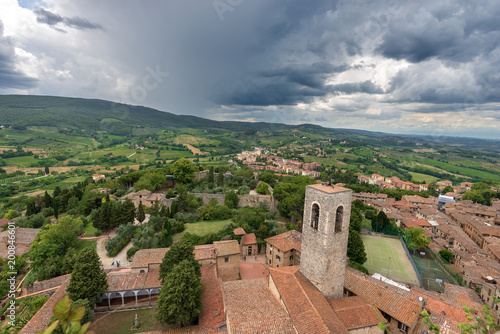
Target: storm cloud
52	19
385	65
10	77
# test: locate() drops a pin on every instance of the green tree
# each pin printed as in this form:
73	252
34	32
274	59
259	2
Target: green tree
184	170
47	171
446	254
180	296
220	178
416	239
267	177
448	189
140	213
211	178
127	211
231	200
355	247
88	280
356	220
180	251
263	188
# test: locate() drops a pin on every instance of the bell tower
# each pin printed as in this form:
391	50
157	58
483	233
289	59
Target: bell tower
325	229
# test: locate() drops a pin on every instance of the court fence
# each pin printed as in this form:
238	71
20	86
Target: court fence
419	275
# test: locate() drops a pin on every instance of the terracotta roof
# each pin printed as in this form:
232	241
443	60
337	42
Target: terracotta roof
212	310
4	222
329	189
40	320
122	281
239	231
356	312
286	241
24	236
204	252
416	222
144	257
249	239
188	330
229	247
252	308
308	308
396	302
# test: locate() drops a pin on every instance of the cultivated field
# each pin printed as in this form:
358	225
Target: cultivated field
378	251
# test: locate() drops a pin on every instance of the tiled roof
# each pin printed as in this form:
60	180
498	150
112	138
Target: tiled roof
239	231
329	189
40	320
188	330
122	281
416	222
204	252
396	302
251	308
26	236
356	312
249	239
4	222
229	247
308	308
144	257
286	241
212	311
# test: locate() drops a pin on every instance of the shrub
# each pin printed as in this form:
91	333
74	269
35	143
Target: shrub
131	251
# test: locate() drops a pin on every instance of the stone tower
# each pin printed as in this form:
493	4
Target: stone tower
327	211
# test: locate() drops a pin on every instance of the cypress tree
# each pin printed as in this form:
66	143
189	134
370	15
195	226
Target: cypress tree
88	280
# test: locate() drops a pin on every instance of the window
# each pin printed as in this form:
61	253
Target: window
315	216
339	217
278	258
226	259
291	258
142	271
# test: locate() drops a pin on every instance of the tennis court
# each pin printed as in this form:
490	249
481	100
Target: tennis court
433	276
388	257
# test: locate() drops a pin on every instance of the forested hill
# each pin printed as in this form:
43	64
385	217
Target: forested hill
87	116
99	115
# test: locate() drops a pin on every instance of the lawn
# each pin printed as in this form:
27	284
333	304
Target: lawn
121	322
82	244
388	255
91	231
202	228
419	177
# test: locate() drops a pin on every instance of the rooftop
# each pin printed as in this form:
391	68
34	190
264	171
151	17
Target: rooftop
286	241
328	188
356	312
249	239
229	247
252	308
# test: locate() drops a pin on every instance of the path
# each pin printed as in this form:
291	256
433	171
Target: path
131	155
120	257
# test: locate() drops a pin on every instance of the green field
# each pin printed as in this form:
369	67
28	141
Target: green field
203	228
379	250
419	177
461	170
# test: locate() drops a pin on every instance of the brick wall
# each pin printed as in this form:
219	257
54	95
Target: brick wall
230	270
244	200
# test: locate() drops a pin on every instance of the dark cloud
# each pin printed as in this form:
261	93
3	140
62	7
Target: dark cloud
368	87
52	19
9	76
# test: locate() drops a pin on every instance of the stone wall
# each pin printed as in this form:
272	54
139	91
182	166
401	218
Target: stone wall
324	248
47	284
244	200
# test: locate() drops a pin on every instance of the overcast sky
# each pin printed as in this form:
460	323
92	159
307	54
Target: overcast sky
424	67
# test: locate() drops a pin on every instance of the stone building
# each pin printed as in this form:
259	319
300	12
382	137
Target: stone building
284	249
249	245
327	210
228	259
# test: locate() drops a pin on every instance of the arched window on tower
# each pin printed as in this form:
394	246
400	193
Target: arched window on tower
315	216
339	218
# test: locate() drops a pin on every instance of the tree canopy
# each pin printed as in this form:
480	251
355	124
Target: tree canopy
184	170
180	251
180	296
88	280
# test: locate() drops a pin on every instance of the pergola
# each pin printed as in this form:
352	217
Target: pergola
124	283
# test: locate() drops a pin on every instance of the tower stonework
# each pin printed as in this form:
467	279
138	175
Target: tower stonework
325	230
